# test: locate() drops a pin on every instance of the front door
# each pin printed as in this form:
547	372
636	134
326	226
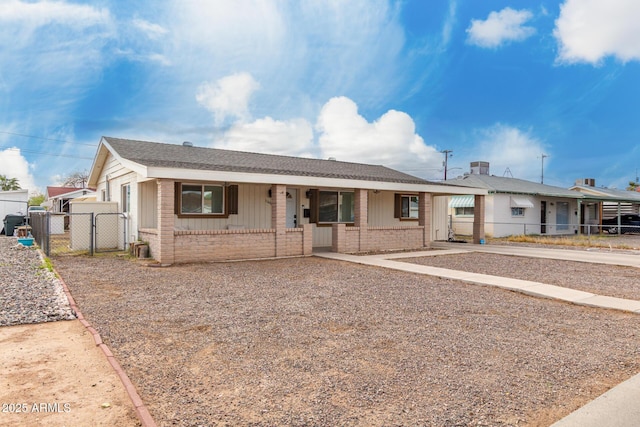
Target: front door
543	217
292	208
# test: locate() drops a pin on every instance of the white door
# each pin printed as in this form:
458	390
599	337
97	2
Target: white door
292	208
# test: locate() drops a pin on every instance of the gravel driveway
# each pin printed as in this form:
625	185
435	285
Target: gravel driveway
610	280
316	342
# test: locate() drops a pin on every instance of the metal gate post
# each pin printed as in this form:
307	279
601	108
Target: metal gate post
45	234
92	227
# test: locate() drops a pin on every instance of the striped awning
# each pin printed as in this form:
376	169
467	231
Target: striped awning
521	202
461	201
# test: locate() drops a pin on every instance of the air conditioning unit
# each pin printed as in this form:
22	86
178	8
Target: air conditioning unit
588	182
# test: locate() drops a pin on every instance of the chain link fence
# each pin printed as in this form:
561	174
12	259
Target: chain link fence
79	233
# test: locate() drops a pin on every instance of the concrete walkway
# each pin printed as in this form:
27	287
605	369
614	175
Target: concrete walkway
619	406
537	289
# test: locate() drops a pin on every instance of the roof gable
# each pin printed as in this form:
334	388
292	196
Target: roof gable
70	192
160	155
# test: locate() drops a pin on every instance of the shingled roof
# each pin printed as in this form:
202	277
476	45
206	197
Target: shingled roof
154	154
498	184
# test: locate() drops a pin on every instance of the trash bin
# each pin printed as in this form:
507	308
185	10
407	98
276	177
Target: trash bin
12	221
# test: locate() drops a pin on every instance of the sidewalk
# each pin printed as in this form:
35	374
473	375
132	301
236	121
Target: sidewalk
617	407
524	286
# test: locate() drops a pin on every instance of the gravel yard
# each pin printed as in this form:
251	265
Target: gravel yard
310	341
610	280
30	293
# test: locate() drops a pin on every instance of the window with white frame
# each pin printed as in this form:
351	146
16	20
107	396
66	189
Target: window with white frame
409	207
201	199
517	211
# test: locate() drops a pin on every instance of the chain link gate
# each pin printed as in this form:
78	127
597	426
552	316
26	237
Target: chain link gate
110	231
60	234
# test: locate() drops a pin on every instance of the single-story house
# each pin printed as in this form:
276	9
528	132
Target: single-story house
515	206
57	198
607	202
203	204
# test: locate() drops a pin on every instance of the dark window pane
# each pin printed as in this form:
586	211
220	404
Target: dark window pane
328	206
191	199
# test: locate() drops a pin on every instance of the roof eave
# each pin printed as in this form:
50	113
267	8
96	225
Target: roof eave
311	181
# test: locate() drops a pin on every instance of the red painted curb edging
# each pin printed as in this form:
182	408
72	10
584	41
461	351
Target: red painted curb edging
142	412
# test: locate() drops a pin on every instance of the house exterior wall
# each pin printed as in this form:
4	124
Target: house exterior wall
254	212
500	223
552	211
224	245
381	210
112	188
13	202
439	218
504	224
366	239
147	202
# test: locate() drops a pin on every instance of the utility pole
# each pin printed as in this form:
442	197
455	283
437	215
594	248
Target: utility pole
447	154
542	170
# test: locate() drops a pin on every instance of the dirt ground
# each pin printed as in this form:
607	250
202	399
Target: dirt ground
311	342
54	375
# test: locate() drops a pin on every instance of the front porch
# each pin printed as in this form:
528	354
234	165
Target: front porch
284	229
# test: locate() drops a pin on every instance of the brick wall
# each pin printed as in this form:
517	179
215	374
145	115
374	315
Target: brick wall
225	245
150	236
352	239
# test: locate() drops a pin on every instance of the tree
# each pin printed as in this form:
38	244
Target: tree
36	200
77	179
9	184
633	186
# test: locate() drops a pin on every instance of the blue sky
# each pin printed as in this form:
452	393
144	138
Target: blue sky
383	82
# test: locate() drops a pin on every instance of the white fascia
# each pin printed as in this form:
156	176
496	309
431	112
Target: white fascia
297	180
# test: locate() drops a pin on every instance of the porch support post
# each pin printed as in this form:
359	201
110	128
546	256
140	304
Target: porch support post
279	216
166	221
580	219
478	219
338	236
424	217
307	239
361	212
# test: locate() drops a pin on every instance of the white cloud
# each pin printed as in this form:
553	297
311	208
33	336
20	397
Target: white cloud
27	17
589	30
151	30
500	28
390	140
342	133
14	165
505	147
292	137
228	97
302	52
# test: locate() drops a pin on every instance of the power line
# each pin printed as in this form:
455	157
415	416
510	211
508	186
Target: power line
46	139
47	154
447	154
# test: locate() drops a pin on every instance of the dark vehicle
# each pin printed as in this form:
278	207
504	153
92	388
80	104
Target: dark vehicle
631	221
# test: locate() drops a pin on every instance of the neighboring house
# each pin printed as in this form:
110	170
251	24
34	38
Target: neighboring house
58	198
608	202
201	204
515	206
14	202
